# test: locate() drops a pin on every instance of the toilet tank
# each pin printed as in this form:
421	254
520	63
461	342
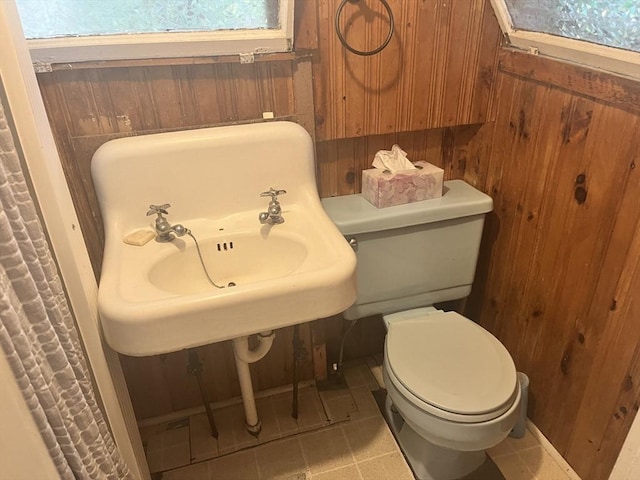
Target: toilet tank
412	255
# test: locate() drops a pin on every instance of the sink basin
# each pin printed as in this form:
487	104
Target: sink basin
236	259
156	298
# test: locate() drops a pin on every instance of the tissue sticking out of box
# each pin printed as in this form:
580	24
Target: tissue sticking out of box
386	188
394	160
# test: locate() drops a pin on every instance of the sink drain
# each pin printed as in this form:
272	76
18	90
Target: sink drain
224	246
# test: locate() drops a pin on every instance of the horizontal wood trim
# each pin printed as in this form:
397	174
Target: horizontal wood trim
305	38
160	62
619	91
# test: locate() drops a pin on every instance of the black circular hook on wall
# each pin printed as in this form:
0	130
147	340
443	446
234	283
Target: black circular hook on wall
363	52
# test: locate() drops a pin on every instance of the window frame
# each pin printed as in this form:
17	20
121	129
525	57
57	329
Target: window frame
156	45
611	59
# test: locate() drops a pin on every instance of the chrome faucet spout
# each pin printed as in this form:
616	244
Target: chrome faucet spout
273	215
165	232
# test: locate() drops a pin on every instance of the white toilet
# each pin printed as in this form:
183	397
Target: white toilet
452	388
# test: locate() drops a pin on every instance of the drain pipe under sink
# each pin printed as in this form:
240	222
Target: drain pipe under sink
244	356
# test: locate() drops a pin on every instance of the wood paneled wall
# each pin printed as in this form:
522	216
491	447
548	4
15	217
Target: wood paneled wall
90	106
340	162
560	271
556	146
437	71
160	384
439	67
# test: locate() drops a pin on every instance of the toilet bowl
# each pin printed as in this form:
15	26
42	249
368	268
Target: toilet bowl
452	391
452	388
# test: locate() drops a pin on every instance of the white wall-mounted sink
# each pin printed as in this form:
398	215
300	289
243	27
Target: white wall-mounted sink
156	298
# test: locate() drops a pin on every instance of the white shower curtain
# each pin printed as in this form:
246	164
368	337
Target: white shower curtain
39	337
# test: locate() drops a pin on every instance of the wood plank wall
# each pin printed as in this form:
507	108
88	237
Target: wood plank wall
89	104
437	71
560	275
340	162
448	52
160	384
558	151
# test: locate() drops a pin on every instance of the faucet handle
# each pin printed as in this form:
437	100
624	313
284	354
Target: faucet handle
273	193
158	209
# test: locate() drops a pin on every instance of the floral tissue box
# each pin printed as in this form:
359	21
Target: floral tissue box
385	189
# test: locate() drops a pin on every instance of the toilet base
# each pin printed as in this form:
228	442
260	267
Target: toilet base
429	461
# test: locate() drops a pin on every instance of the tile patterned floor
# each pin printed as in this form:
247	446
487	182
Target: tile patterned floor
526	459
340	435
189	441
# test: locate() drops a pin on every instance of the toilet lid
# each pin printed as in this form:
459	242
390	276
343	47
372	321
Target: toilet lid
452	363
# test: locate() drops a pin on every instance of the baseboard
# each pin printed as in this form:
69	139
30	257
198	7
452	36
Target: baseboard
551	450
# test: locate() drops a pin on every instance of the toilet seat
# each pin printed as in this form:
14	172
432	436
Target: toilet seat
449	366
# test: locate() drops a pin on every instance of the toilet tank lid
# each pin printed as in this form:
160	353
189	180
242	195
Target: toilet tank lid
353	214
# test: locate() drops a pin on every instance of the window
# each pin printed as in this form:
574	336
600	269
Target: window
80	30
615	23
599	33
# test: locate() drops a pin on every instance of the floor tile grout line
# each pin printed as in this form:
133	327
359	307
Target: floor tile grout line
280	432
544	452
552	451
298	433
255	459
292	434
346	439
353	457
496	457
525	464
332	427
356	461
368	417
359	471
533	447
209	470
239	446
559	466
304	457
164	448
335	469
521	463
349	421
377	456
